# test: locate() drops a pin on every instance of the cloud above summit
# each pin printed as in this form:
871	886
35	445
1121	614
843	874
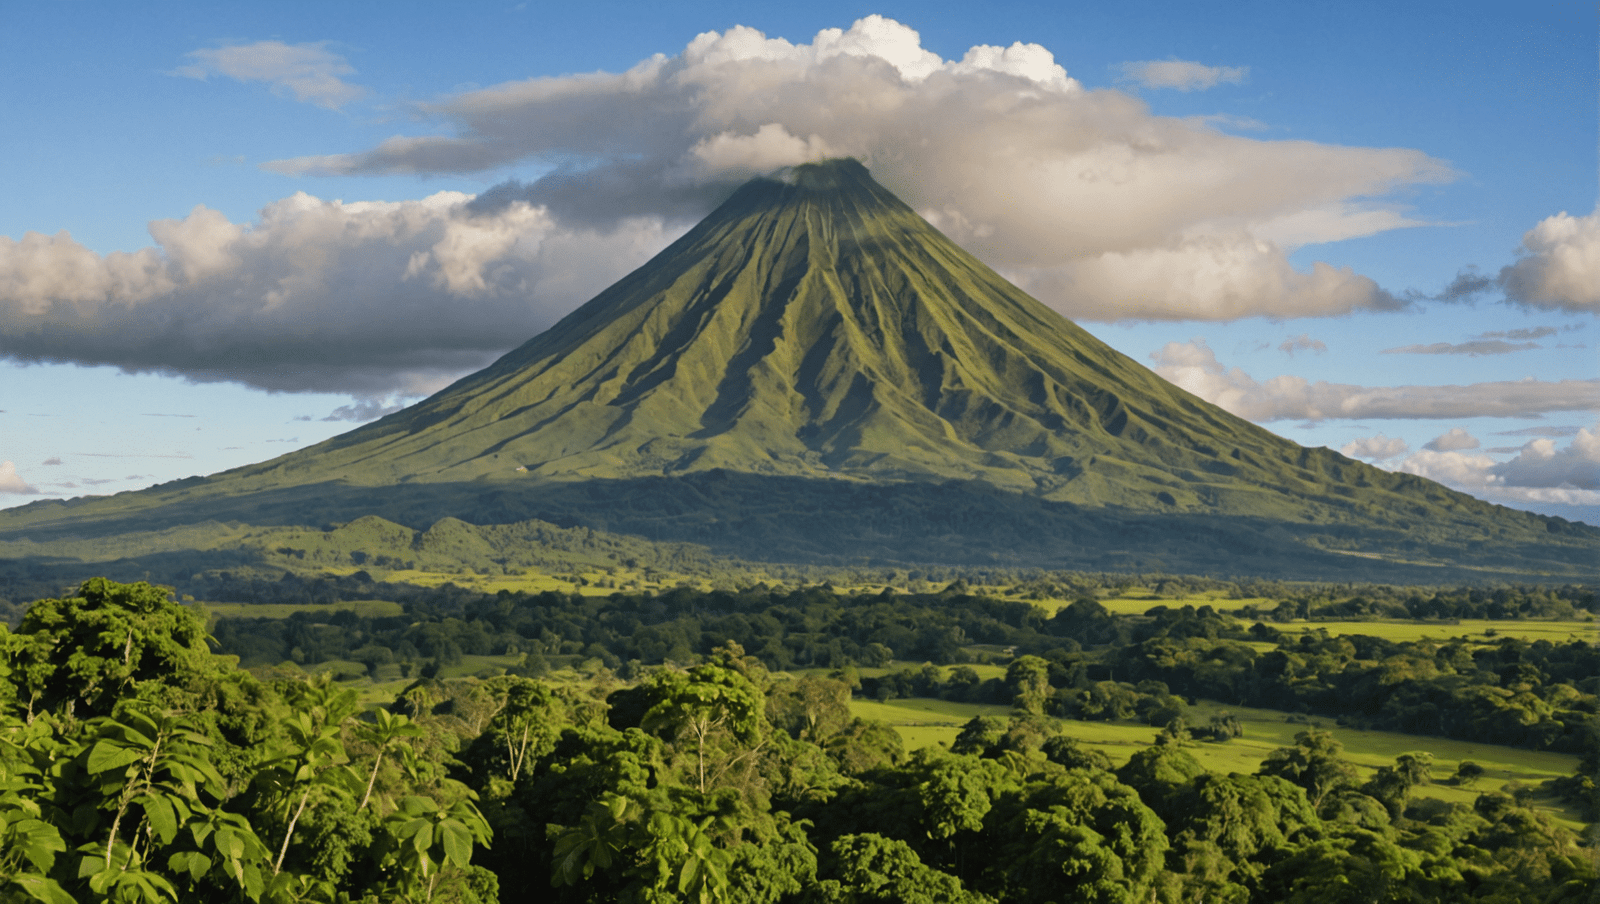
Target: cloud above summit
1101	208
1082	196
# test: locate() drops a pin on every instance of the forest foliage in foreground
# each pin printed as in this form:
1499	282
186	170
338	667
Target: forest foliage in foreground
135	765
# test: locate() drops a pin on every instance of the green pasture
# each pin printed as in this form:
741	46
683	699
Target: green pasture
366	608
985	670
526	581
1138	601
926	723
1481	630
923	722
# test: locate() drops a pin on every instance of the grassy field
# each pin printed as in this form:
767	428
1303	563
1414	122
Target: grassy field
1139	600
530	580
925	723
985	670
368	608
1476	629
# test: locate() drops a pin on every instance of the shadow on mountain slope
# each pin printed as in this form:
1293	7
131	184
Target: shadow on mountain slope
839	522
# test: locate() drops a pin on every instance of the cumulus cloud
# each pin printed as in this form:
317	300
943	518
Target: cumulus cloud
1542	464
310	72
1302	342
1473	348
11	483
1099	207
1541	471
367	298
1560	267
1193	366
1183	75
1455	440
1376	448
1085	198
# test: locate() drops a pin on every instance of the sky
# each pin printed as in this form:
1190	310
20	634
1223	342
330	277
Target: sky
230	231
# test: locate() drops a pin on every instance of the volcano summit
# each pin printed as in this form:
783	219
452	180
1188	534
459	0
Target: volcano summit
814	371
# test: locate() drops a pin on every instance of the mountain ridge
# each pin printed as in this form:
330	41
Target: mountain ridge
815	328
821	312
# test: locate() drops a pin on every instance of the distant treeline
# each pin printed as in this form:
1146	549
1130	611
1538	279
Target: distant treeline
1329	601
1540	695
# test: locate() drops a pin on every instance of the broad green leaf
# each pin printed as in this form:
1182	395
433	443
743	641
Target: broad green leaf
192	862
416	806
99	882
230	844
91	864
40	888
253	882
457	843
38	842
108	755
422	839
161	817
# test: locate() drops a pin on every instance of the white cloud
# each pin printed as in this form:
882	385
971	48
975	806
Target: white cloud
1193	366
1103	209
1454	440
1210	277
1540	472
368	298
1561	267
1542	464
1376	448
308	71
1098	207
1183	75
11	483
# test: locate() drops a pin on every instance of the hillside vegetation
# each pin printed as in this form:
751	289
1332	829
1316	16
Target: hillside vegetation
816	374
140	767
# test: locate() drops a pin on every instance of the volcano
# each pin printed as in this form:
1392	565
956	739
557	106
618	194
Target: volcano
814	370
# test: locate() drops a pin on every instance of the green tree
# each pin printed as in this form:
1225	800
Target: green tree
29	843
387	730
660	855
1313	763
1082	836
1028	682
147	769
810	708
86	652
714	711
428	841
874	869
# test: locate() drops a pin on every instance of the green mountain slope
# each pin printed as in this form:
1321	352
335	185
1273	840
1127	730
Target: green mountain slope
815	328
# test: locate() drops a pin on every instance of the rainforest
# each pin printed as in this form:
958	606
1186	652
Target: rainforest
702	745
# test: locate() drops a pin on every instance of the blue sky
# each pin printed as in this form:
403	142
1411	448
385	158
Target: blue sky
231	231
